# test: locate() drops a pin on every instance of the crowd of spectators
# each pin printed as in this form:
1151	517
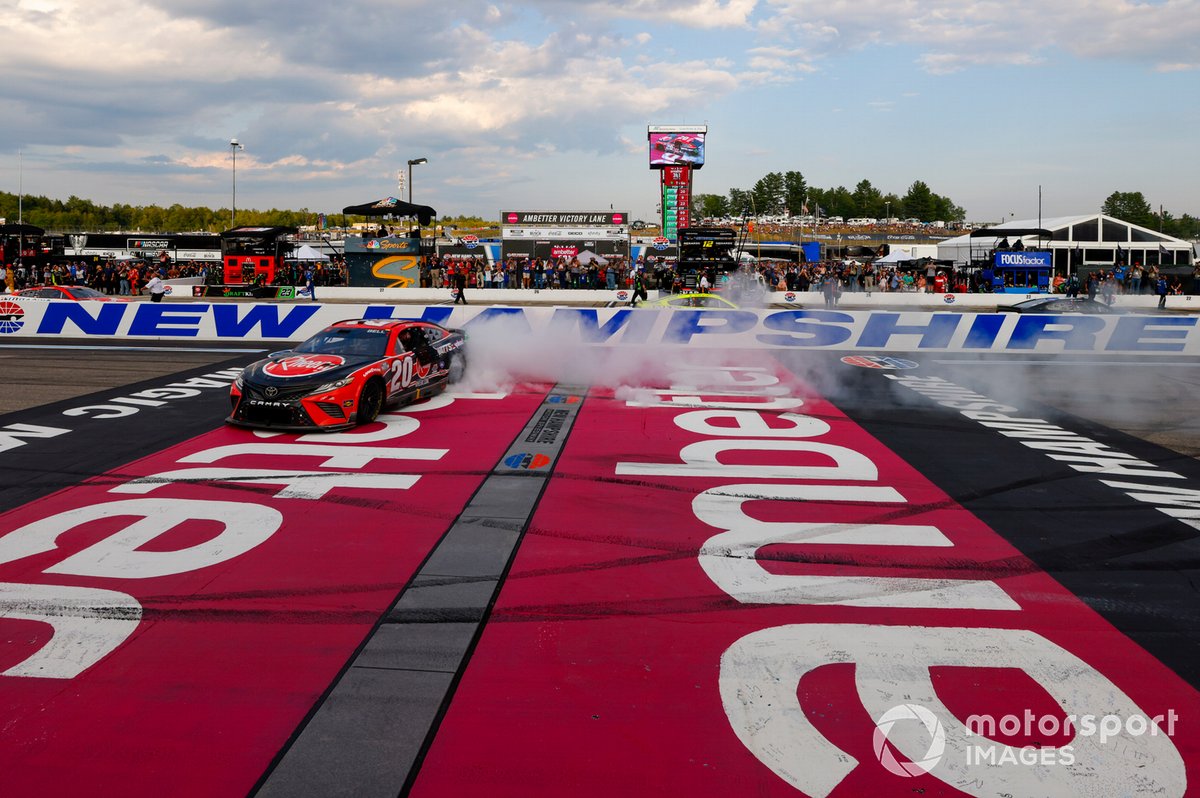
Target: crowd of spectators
535	273
324	272
663	275
112	277
129	277
1132	280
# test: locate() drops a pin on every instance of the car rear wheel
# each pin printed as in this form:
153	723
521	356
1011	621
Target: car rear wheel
370	402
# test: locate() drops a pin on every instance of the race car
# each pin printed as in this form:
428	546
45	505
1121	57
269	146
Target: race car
696	299
1061	304
681	146
346	374
78	293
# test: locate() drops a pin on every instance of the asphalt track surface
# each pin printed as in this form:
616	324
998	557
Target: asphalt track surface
535	608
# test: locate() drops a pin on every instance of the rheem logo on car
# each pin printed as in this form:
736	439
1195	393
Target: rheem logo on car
303	365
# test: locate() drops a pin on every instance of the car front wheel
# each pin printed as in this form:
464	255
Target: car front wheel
370	402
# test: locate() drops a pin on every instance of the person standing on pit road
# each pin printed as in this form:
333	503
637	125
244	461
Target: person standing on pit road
156	288
639	289
1071	286
1160	288
459	281
310	285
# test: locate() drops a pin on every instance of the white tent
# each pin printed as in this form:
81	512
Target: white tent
1092	239
895	256
307	252
586	256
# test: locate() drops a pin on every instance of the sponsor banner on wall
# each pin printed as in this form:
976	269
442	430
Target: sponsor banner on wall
565	232
1039	260
534	248
256	291
391	244
699	327
564	218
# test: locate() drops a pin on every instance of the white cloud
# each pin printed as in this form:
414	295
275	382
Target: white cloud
136	100
688	13
953	35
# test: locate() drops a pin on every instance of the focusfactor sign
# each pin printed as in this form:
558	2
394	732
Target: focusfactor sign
1041	260
699	327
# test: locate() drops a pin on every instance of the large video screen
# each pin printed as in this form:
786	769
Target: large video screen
672	149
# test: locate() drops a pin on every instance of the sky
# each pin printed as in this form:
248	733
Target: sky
544	105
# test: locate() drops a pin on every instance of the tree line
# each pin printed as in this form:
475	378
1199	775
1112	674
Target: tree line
1133	207
75	214
771	195
787	193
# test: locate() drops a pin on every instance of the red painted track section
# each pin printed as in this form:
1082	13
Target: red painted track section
228	658
636	647
599	672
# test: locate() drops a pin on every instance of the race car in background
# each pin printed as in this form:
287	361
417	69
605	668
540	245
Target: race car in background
1061	304
680	147
346	374
76	293
697	299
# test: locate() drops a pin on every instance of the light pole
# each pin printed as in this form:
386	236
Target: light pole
887	213
411	164
234	146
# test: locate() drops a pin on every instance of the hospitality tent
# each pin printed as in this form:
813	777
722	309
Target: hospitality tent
1088	242
586	256
307	252
895	256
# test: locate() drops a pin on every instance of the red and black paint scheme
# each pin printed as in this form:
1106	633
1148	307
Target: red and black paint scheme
71	293
346	374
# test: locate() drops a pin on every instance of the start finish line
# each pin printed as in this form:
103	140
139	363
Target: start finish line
737	329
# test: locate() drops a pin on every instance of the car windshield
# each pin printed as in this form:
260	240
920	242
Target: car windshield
356	341
79	292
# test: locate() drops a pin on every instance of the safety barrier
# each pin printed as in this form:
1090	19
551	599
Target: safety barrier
842	330
856	300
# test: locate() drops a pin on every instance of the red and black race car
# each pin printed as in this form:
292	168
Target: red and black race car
346	374
77	293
